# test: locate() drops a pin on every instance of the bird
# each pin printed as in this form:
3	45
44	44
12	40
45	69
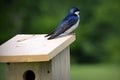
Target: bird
67	25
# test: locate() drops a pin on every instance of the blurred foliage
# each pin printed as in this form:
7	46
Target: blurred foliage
98	35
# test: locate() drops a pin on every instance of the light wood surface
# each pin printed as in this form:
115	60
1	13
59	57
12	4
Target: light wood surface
33	48
15	71
56	69
61	65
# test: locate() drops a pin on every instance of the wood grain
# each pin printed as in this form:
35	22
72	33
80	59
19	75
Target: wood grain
33	48
56	69
61	65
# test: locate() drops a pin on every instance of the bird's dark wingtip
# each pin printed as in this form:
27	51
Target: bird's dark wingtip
46	35
49	38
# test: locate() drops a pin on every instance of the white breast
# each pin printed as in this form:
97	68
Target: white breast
73	27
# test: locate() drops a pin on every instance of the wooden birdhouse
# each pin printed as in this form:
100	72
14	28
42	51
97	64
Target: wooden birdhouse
33	57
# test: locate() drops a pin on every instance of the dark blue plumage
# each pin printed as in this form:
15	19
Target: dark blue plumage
67	25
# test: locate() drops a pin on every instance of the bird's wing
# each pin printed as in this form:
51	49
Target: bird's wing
68	22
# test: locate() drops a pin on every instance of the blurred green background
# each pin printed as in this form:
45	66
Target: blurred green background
95	55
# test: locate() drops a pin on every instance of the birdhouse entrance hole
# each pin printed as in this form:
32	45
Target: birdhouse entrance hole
29	57
29	75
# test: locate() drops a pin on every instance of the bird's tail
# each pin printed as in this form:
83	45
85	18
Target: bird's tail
51	37
49	34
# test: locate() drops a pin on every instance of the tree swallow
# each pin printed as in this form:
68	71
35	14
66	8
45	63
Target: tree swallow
67	25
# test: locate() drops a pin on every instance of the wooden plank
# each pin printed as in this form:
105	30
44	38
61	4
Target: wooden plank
33	48
61	65
17	71
56	69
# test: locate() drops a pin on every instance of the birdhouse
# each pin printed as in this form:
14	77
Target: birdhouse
33	57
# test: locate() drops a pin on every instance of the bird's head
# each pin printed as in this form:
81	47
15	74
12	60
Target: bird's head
74	10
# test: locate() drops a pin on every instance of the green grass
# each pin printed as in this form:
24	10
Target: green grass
95	72
2	71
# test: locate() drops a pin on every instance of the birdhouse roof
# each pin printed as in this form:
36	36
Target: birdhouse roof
33	48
